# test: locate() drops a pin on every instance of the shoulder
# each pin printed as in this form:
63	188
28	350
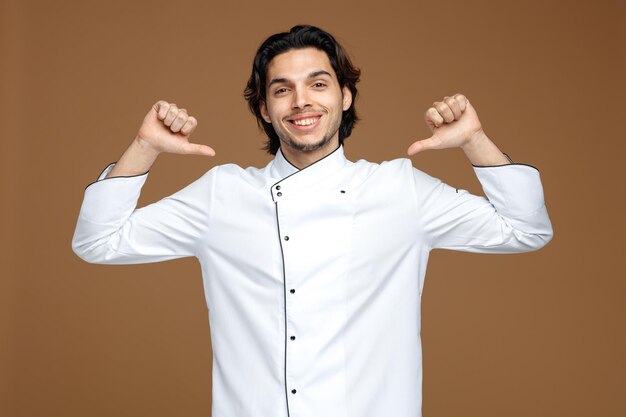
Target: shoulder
394	167
230	174
386	175
398	172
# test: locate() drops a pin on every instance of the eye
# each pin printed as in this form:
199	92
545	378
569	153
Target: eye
319	84
280	90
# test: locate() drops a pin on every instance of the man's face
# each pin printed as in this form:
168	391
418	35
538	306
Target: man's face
304	101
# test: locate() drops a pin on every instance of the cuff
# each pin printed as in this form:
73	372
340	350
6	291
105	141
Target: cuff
514	189
108	169
106	198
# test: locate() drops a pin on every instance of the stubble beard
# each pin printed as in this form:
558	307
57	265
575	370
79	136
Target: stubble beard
291	141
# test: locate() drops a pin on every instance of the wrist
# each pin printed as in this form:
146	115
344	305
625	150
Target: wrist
475	142
481	151
145	148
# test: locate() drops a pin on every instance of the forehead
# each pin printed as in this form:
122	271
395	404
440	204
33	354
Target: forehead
298	63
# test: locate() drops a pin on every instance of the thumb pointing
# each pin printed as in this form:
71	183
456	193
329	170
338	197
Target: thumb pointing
421	145
197	149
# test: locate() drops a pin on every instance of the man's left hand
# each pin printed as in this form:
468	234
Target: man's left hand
453	123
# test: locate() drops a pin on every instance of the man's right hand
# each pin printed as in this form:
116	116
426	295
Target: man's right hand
166	128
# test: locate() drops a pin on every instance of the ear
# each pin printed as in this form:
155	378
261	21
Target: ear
264	113
347	98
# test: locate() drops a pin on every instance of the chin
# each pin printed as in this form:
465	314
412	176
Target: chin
308	146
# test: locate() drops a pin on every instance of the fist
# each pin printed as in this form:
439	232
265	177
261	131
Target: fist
453	123
166	128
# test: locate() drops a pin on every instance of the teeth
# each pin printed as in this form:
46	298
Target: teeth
305	122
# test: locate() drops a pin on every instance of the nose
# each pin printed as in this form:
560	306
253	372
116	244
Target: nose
300	98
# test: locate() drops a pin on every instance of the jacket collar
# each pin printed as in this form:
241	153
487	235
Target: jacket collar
293	179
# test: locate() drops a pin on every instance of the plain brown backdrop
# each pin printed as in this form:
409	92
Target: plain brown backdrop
536	334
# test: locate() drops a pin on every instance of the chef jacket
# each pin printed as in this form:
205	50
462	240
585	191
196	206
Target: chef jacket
313	277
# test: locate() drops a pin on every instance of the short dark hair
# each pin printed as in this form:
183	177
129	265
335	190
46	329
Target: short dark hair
300	37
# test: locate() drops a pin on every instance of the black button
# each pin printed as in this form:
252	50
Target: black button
279	193
293	391
278	187
286	237
293	338
292	290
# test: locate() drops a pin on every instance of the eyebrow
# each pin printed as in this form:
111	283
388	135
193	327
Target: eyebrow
311	75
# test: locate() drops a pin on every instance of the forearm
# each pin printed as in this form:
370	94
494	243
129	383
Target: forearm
136	160
481	151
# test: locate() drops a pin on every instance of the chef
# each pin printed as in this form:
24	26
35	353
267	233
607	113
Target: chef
313	266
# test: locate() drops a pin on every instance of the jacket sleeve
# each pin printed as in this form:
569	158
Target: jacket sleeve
511	218
111	230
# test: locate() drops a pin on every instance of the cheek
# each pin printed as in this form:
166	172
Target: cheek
266	112
274	112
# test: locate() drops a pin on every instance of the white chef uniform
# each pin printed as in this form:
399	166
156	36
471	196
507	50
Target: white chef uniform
313	278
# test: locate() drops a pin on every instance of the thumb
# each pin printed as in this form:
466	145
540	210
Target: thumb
197	149
422	145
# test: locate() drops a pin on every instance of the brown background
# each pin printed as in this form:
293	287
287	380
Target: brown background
537	334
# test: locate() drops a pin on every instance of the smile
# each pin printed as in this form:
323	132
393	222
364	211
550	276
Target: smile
305	122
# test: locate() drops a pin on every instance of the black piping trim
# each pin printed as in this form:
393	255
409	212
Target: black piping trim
117	176
300	170
282	254
503	165
290	162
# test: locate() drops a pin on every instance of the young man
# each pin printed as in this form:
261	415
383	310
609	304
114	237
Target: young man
313	266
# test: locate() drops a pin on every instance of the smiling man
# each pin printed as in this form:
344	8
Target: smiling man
313	266
304	103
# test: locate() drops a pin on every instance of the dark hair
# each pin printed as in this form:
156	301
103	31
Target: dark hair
300	37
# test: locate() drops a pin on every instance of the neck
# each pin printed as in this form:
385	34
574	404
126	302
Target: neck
302	159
